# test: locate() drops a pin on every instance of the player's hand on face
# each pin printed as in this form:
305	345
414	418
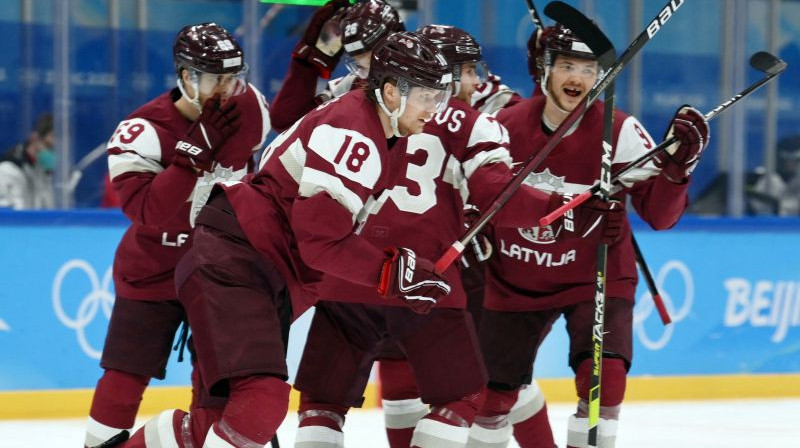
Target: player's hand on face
204	138
412	279
678	160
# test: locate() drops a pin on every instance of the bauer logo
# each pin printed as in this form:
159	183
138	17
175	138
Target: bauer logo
676	286
663	17
79	297
763	303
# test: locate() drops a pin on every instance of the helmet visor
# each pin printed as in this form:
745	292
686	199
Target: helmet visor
224	84
428	99
358	65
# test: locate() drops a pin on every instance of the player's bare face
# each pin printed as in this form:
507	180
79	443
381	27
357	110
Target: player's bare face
570	81
470	79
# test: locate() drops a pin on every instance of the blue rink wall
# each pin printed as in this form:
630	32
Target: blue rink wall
731	286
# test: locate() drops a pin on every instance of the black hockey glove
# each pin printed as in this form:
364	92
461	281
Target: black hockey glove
411	279
679	159
594	218
318	48
207	134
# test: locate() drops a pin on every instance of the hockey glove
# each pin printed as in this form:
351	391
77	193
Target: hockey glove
678	160
411	279
595	218
207	134
318	48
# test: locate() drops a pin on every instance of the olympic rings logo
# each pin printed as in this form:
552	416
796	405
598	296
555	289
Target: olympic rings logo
645	306
99	298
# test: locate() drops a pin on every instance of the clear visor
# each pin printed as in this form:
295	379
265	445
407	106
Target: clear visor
426	98
358	65
226	85
476	70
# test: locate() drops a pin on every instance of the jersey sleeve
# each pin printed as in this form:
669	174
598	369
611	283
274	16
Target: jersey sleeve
150	193
296	97
655	198
493	95
336	171
488	170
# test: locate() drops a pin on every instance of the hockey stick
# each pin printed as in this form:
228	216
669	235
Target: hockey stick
535	160
651	284
274	442
761	61
537	21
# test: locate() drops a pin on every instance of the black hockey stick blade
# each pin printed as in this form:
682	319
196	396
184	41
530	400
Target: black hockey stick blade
537	21
585	29
768	63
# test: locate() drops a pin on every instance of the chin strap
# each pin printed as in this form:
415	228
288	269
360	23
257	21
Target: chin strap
194	101
393	115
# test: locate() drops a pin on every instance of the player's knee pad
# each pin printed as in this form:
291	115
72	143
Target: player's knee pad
397	380
613	380
447	425
530	401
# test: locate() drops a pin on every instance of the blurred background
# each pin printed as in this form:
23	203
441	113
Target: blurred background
91	62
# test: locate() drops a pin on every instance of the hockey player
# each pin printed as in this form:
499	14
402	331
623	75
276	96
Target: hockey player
360	27
161	159
261	247
461	153
533	279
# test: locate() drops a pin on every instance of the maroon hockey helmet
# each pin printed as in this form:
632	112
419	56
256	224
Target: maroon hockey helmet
561	40
209	48
536	52
412	57
366	23
457	45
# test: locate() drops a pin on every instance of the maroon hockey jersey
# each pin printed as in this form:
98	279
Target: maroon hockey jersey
460	154
531	269
157	196
316	185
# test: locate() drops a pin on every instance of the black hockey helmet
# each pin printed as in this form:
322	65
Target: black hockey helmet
366	23
209	48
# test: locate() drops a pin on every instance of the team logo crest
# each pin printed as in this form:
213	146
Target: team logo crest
547	182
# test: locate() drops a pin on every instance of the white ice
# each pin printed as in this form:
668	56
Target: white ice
706	424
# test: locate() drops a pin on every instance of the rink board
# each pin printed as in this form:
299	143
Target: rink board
732	287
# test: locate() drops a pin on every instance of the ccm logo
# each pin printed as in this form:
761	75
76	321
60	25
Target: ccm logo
663	16
188	148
